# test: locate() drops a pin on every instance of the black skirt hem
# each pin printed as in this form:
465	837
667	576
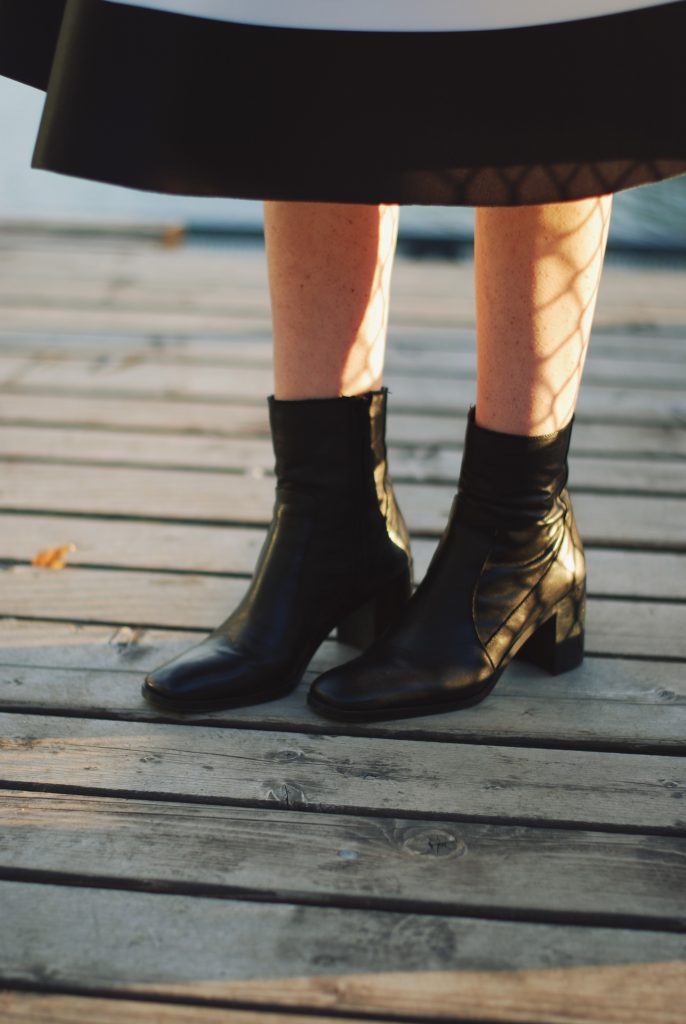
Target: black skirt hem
185	105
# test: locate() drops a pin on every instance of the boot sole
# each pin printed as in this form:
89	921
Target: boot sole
407	712
217	703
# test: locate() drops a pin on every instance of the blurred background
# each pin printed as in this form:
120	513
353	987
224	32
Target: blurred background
646	221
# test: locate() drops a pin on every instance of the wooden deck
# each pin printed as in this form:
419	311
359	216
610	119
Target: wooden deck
520	861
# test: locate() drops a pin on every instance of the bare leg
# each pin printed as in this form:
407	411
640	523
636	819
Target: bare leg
537	274
329	274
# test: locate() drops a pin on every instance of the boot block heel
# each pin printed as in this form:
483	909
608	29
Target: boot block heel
558	645
362	626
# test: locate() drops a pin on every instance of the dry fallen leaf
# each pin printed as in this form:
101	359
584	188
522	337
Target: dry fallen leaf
53	558
173	236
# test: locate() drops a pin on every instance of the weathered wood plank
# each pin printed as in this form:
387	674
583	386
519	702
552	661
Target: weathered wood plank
547	993
34	1008
417	966
636	574
637	628
426	291
326	773
175	601
129	447
156	318
123	293
179	451
546	874
658	476
641	341
635	706
604	403
169	600
130	286
210	497
72	645
190	417
207	418
409	347
41	644
182	547
624	439
251	346
11	369
606	363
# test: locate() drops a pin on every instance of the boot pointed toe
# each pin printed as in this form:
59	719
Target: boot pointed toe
211	674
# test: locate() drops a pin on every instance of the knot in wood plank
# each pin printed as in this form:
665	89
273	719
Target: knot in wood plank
433	842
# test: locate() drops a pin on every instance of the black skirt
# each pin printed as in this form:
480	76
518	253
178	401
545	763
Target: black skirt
149	96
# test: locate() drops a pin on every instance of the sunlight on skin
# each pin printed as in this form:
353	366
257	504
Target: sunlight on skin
330	275
537	272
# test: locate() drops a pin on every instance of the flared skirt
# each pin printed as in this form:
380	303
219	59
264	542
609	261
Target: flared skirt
440	103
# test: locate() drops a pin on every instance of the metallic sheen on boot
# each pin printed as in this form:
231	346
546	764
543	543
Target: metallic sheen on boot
507	580
337	554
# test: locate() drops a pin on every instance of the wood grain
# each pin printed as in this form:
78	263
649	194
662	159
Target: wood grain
657	361
606	704
245	456
340	960
208	497
250	420
326	772
391	864
411	346
186	601
32	1008
178	546
132	387
602	402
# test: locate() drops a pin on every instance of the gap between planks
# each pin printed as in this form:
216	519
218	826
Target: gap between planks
603	403
396	865
19	1007
344	961
605	704
358	775
620	627
426	429
180	548
423	464
593	712
607	520
662	365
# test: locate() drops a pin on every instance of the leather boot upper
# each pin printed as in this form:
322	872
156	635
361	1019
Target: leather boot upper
510	553
336	537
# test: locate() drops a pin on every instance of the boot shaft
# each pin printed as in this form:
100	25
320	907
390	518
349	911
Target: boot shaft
513	495
329	445
331	463
512	480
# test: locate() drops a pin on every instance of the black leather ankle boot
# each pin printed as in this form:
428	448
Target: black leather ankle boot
507	579
337	554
